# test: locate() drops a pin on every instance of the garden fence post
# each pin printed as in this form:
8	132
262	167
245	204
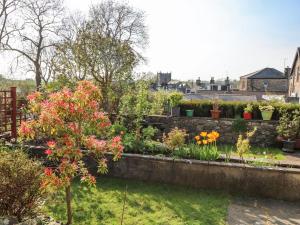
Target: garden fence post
13	93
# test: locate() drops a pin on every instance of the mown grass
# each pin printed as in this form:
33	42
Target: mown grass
146	204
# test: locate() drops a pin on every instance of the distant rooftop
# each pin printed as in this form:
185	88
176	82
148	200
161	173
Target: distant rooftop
266	73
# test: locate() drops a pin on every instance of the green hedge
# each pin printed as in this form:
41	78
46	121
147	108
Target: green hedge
233	109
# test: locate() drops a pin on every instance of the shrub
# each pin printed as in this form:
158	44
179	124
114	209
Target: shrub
243	144
132	144
266	108
289	125
149	132
117	129
20	182
175	138
155	147
249	108
159	101
175	98
230	109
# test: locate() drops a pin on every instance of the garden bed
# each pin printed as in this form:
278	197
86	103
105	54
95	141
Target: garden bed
272	182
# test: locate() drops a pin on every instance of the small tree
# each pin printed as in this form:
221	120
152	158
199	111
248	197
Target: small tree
67	118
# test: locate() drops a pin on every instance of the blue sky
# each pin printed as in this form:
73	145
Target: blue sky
204	38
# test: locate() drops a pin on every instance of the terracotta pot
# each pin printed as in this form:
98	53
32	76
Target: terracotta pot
215	114
247	116
297	143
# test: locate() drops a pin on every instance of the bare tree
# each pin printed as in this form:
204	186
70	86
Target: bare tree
7	8
121	22
36	33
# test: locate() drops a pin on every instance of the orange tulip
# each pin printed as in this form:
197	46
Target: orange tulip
203	134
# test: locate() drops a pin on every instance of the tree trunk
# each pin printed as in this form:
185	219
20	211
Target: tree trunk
68	201
38	76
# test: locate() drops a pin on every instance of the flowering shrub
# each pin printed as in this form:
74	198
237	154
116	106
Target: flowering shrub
243	143
175	138
66	118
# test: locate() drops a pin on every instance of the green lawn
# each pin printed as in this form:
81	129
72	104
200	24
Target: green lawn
146	204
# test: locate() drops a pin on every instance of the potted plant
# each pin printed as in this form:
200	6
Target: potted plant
215	112
288	129
266	111
174	99
248	112
189	112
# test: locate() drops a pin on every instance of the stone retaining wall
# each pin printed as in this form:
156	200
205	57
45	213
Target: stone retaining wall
264	137
278	183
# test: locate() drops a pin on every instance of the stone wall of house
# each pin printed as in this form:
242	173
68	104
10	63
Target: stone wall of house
274	85
265	135
294	86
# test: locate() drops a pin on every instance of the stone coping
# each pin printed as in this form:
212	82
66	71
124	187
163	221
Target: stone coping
212	163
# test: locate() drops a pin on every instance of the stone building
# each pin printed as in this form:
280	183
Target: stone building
267	80
294	81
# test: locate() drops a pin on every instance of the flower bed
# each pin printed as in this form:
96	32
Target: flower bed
278	183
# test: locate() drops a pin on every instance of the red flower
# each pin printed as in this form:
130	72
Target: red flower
48	152
48	171
51	144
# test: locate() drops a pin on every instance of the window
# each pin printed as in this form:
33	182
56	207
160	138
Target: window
298	73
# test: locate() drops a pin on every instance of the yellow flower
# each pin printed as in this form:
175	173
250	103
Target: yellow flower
205	142
199	142
197	138
203	134
215	134
210	140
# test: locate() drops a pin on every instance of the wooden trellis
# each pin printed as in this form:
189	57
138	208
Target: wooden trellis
11	113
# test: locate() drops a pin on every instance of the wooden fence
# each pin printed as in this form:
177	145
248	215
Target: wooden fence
11	113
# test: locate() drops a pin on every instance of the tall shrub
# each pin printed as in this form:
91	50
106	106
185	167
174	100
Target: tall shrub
65	118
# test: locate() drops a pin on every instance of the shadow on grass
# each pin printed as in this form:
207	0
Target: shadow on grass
146	204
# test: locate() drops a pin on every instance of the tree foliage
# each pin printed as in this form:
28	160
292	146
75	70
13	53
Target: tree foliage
70	120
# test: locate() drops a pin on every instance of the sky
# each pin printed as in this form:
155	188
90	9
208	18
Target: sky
219	38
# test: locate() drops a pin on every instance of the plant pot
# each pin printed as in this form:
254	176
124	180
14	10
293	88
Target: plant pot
288	146
189	112
247	116
297	143
175	111
215	114
266	115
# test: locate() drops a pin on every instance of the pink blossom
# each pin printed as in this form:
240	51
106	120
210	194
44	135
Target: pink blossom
48	152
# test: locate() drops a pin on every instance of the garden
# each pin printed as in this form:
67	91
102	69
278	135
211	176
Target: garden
70	128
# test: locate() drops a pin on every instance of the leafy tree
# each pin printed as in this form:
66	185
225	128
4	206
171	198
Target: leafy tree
105	47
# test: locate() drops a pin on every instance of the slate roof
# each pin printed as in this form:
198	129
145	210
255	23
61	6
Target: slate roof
266	73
